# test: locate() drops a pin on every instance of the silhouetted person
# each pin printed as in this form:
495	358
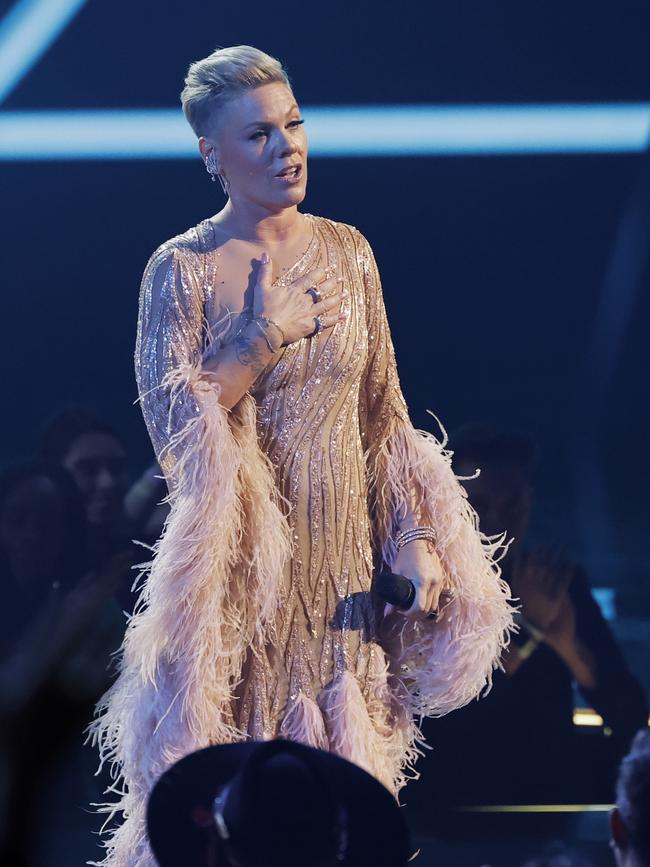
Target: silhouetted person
519	743
630	818
58	626
96	457
274	803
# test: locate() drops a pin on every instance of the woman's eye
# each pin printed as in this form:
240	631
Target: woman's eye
263	132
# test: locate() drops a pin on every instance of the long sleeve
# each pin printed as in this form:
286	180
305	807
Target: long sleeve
168	353
448	662
211	588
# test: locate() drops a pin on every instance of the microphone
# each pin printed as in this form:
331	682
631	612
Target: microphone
394	589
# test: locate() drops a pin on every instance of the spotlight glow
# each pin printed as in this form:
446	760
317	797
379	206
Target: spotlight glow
342	131
26	32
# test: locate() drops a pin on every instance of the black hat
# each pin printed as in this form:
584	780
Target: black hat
273	803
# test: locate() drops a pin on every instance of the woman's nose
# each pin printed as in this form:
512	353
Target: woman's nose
287	144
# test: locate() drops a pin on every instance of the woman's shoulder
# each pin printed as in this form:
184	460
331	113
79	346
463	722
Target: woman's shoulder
188	245
345	232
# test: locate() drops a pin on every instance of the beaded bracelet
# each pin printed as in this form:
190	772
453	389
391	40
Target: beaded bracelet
406	536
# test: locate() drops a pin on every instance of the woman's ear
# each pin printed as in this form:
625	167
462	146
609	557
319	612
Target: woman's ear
204	147
618	831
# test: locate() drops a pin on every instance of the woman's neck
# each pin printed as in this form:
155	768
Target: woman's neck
258	226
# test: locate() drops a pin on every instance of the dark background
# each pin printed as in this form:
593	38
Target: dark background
492	267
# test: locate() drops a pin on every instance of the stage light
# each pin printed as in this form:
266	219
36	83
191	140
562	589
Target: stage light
342	131
26	32
586	717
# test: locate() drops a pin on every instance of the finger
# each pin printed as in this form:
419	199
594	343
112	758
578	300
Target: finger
420	608
265	272
328	289
326	304
333	319
332	284
434	597
312	278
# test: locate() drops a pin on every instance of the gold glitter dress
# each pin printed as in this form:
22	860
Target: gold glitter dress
255	618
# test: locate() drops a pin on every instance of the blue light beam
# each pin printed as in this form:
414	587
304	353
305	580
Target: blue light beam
26	32
342	131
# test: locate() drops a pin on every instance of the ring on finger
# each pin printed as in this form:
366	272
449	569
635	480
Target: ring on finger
318	325
315	294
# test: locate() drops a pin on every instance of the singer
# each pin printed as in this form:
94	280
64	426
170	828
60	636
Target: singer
268	385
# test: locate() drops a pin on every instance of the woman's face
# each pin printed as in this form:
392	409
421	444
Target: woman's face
259	134
97	461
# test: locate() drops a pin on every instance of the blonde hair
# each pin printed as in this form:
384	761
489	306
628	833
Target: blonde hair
222	75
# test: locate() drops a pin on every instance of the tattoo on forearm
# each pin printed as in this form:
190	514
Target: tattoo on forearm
248	353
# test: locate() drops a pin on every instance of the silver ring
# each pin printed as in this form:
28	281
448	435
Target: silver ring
318	326
315	294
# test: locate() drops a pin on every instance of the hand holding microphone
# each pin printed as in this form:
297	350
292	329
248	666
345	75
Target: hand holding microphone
416	579
401	593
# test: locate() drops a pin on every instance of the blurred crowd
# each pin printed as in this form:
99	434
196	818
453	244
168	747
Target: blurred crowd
68	520
75	525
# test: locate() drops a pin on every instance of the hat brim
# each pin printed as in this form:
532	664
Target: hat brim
377	832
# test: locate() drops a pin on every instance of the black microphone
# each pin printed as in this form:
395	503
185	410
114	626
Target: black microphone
394	589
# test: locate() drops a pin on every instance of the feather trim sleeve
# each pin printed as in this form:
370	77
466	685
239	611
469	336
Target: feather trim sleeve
211	589
446	663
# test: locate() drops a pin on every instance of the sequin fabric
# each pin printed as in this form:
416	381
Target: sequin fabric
309	425
317	406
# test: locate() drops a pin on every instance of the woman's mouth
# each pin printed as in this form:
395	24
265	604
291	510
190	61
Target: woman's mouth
290	176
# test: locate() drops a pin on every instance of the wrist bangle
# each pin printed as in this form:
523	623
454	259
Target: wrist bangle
406	536
528	648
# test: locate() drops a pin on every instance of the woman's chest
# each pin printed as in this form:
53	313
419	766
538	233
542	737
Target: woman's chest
236	280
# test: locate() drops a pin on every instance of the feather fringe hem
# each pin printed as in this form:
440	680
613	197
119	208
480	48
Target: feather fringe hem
210	588
443	664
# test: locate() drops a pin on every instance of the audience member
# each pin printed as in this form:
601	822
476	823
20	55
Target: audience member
96	457
518	743
59	626
630	818
273	804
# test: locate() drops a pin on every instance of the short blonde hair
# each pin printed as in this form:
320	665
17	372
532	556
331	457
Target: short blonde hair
222	75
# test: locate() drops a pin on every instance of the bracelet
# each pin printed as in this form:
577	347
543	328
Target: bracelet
268	321
258	321
528	648
406	536
264	335
531	629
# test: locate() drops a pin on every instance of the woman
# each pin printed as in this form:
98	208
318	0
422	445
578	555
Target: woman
269	388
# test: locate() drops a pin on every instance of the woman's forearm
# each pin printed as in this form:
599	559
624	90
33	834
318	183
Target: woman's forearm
238	364
411	516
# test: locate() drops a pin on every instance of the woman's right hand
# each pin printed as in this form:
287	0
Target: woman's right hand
292	307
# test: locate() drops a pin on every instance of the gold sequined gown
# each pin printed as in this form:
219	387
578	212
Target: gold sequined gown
256	618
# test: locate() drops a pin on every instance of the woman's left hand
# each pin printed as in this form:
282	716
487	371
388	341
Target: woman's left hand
418	562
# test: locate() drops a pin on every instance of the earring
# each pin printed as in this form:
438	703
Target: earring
223	180
211	168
